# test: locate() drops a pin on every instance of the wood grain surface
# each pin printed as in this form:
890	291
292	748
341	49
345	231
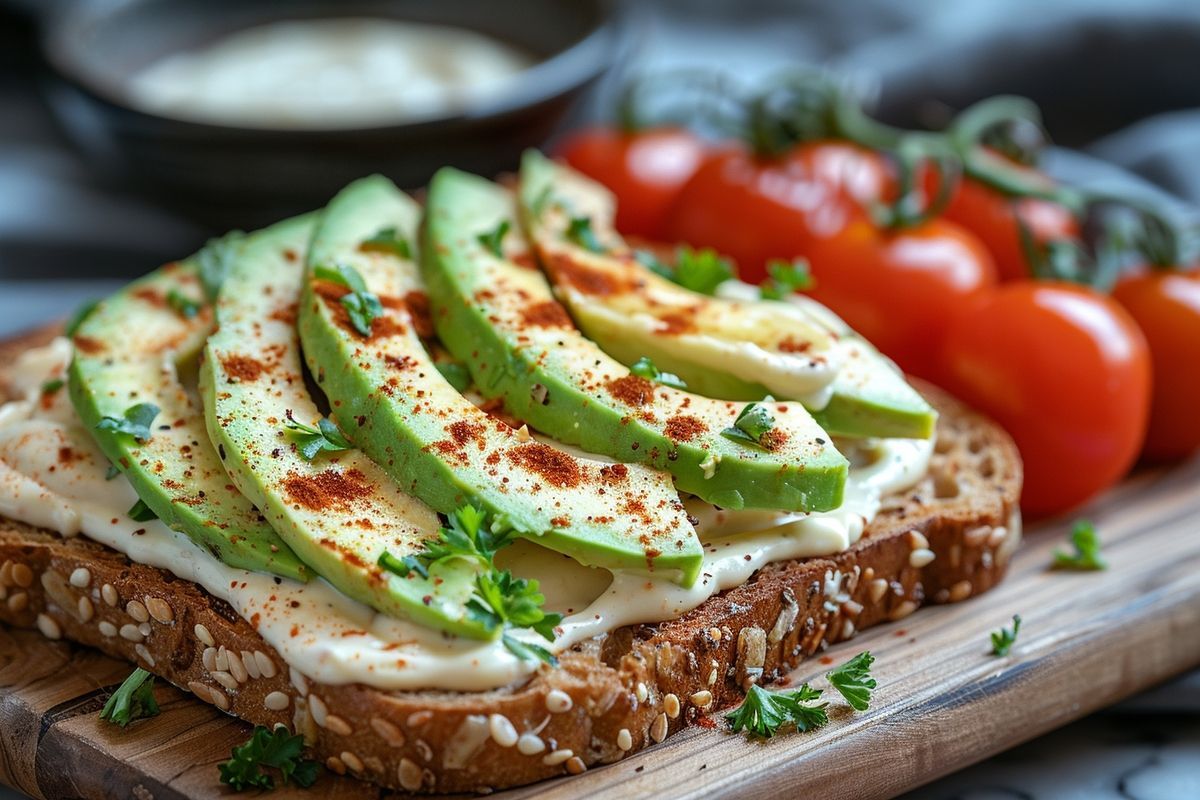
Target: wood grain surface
1088	640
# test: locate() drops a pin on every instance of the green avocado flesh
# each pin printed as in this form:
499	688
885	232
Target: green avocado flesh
502	320
741	349
339	512
128	352
394	404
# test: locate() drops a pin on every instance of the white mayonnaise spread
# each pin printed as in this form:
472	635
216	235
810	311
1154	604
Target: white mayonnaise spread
329	74
333	639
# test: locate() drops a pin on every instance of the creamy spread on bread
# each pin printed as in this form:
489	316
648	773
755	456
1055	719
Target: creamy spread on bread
53	475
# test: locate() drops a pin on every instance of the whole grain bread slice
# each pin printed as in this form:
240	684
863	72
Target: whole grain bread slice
945	540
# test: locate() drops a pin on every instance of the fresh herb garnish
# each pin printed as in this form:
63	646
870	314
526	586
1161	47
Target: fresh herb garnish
1003	639
214	261
133	699
112	472
1086	542
141	512
76	319
309	440
136	422
501	601
387	240
455	374
361	304
492	240
183	305
751	425
700	271
644	368
579	231
52	386
277	750
785	278
853	680
763	713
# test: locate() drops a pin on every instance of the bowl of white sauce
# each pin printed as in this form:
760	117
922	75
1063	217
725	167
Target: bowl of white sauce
240	112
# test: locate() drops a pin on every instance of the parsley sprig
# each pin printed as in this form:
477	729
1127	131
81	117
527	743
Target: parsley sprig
493	240
277	750
1003	639
764	712
784	278
183	305
1086	542
214	261
751	425
700	271
501	601
645	368
853	680
579	231
310	441
388	240
136	422
133	699
52	386
360	303
141	512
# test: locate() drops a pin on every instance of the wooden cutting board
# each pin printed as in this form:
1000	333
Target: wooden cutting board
1087	641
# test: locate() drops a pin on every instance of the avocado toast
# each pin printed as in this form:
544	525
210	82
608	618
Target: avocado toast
671	640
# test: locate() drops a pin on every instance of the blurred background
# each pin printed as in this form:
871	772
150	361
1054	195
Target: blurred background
124	143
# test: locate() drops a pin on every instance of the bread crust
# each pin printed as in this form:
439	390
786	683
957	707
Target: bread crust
947	539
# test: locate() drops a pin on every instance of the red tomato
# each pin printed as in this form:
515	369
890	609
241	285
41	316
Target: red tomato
645	170
1067	372
754	209
901	288
1166	306
992	217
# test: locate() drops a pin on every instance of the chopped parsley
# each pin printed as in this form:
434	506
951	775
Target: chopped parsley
52	386
751	425
76	319
1086	542
310	441
644	368
133	699
112	472
455	374
141	512
214	261
579	231
387	240
183	305
1003	639
500	601
785	278
137	421
492	240
360	303
700	271
853	680
276	750
764	713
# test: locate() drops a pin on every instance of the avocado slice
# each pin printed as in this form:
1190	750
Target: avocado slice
730	348
502	320
397	407
339	512
129	351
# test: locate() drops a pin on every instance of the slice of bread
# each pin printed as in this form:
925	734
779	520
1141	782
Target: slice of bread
945	540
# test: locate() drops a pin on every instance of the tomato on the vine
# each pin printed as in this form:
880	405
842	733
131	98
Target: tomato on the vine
754	209
996	218
900	288
1166	306
644	169
1066	372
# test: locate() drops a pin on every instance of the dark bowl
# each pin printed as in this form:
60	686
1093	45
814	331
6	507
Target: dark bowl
226	176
